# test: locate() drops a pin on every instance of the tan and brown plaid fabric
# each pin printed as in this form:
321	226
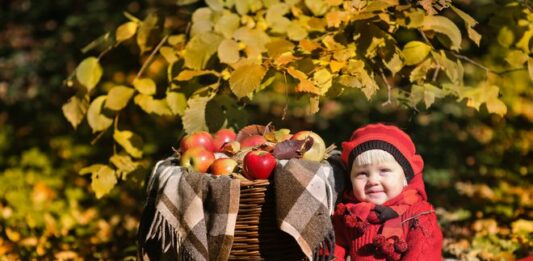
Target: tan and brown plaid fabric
190	216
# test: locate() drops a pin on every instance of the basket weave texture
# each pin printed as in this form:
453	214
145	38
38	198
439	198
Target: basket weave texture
256	234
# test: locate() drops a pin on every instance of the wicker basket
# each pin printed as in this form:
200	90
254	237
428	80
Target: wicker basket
256	234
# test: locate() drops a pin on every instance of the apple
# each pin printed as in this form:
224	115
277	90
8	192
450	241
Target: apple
197	139
223	166
252	141
317	150
222	137
197	158
258	164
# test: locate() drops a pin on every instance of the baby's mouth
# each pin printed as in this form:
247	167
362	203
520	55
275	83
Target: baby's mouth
371	192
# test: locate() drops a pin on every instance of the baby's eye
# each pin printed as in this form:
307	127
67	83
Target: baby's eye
385	170
361	174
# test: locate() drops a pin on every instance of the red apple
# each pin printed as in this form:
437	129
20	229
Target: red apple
258	164
222	137
197	158
252	141
197	139
223	166
318	149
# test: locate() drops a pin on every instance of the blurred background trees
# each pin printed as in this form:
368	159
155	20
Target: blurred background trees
478	164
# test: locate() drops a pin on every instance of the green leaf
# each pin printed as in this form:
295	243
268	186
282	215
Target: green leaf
443	25
126	31
470	23
97	120
415	52
151	105
200	49
176	102
74	110
103	181
228	51
145	86
118	97
89	72
227	25
194	116
130	141
124	164
246	78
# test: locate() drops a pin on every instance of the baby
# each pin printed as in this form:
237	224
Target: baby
385	214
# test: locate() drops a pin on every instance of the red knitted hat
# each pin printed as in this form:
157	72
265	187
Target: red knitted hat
384	137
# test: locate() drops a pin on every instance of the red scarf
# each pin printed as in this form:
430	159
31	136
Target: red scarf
359	215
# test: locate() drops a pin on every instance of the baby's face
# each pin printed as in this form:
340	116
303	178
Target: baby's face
377	182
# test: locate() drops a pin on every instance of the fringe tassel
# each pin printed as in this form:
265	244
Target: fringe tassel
324	252
168	237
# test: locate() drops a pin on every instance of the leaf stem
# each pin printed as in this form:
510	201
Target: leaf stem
389	88
97	137
149	59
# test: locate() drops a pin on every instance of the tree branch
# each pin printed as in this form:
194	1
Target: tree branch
149	59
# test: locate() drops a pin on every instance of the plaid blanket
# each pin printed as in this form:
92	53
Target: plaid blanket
306	193
188	216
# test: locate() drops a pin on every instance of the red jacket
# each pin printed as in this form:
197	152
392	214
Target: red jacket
365	231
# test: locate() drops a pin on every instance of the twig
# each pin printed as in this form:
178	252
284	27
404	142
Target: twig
486	68
97	137
417	215
436	73
151	57
389	88
285	108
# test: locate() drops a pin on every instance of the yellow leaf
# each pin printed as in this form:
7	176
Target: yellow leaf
103	181
194	116
91	169
151	105
278	46
146	28
227	24
314	105
124	164
485	93
176	102
187	75
470	23
284	59
317	7
200	49
145	86
75	109
523	43
334	18
95	117
415	52
336	66
443	25
246	79
296	32
505	37
323	79
169	54
228	51
89	72
201	21
309	45
130	141
118	97
395	64
126	31
516	58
